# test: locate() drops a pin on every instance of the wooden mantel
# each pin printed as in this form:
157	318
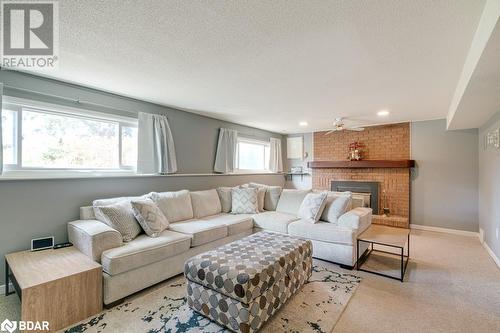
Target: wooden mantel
361	164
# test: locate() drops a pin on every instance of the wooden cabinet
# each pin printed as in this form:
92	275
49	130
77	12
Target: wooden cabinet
60	286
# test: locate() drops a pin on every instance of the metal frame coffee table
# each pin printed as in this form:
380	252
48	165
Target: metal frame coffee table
397	238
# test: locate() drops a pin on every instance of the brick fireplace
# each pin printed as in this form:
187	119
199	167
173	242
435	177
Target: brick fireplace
387	142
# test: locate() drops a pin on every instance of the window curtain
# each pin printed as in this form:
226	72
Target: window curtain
276	157
1	142
225	158
156	150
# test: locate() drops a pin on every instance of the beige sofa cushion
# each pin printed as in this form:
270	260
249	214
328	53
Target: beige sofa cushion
235	223
290	201
274	221
272	195
144	250
205	203
176	206
322	231
201	231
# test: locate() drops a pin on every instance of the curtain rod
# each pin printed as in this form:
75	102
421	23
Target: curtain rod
76	101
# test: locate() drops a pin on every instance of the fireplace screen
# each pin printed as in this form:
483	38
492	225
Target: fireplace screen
365	194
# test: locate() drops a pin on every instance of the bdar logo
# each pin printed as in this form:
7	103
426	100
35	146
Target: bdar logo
8	326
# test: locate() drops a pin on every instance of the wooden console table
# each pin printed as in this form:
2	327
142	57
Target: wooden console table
60	286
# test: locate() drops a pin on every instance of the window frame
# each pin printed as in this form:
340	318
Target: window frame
251	141
18	105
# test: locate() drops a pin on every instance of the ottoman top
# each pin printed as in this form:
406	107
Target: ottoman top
246	268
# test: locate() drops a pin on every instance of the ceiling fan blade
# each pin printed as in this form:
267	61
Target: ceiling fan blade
330	132
356	129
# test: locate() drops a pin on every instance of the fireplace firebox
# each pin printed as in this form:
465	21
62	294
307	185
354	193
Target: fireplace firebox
359	187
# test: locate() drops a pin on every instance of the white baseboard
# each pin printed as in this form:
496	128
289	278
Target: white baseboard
492	254
444	230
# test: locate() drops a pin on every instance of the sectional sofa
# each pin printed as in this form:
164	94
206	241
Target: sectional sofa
200	221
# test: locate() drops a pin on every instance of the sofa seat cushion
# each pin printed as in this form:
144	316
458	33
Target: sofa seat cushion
201	231
322	231
274	221
235	223
144	250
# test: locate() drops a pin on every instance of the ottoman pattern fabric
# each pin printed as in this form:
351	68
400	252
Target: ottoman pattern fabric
241	284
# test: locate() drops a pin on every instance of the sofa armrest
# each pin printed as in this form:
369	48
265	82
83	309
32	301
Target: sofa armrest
92	237
358	218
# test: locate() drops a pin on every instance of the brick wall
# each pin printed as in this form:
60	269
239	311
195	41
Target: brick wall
391	142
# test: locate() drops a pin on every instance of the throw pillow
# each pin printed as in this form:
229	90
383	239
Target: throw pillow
312	206
244	201
150	217
120	217
272	195
336	205
225	198
261	197
176	206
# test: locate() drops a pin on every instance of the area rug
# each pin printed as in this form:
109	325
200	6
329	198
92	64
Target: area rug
315	308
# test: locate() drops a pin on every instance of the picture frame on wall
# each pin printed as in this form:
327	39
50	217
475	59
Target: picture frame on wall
295	147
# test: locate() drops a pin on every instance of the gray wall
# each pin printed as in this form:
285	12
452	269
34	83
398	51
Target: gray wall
299	182
489	188
445	182
35	208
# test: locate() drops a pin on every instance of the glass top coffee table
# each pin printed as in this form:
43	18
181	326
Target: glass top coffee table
397	238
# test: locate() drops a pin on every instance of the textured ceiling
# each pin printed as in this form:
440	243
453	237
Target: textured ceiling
271	64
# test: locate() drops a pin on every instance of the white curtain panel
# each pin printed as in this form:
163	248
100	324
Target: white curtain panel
1	142
225	158
156	150
276	157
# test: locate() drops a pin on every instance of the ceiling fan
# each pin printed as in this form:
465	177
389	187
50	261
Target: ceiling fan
339	125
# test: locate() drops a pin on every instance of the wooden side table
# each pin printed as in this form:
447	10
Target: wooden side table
60	286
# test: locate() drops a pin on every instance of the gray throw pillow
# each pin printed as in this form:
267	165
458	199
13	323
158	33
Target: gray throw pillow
244	201
272	195
312	206
225	198
120	217
150	217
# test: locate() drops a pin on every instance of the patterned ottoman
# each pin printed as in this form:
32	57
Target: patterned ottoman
242	284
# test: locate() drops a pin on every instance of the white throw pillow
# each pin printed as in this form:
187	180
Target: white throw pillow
120	217
312	206
244	201
272	195
336	205
290	201
205	203
176	206
261	197
150	217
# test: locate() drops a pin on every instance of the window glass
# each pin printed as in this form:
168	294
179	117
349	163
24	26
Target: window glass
9	136
253	156
129	146
65	141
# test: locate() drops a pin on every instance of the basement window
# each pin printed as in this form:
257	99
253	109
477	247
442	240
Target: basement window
252	155
44	137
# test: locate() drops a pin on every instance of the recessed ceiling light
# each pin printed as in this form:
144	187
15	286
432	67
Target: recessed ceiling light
303	123
383	113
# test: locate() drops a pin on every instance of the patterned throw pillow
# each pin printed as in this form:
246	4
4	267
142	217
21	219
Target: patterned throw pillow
120	217
150	217
244	201
312	207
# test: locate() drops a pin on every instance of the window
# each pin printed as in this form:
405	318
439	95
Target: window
252	155
39	136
